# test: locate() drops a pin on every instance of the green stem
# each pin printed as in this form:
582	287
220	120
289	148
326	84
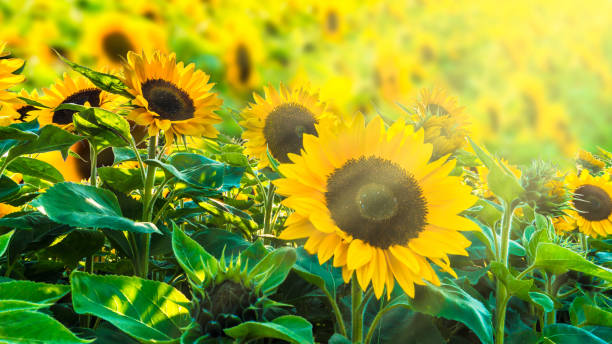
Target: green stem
501	293
552	315
146	203
375	322
337	313
269	203
356	318
526	271
140	163
93	160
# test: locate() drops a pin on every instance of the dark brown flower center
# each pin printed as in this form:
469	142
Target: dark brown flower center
377	201
167	100
331	21
116	45
285	126
89	95
243	62
23	112
592	202
105	158
436	110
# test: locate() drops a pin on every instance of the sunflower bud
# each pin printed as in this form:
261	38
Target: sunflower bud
544	189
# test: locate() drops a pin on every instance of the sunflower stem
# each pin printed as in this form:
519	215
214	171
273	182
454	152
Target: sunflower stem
146	213
356	315
552	315
139	159
269	204
375	322
339	321
501	293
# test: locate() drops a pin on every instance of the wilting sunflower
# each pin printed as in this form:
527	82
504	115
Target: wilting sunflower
278	122
78	90
592	203
170	96
370	198
7	79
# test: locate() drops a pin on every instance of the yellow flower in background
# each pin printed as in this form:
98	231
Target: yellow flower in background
586	160
278	121
7	79
592	203
564	224
76	90
109	38
170	96
19	111
370	198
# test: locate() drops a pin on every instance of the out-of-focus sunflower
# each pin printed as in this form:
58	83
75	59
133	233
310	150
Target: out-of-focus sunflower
170	96
370	198
563	224
7	79
586	160
333	17
19	111
78	90
437	102
592	203
111	36
278	122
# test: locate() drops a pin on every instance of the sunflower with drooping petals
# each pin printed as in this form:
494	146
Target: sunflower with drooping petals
370	198
278	122
170	96
8	66
76	90
591	202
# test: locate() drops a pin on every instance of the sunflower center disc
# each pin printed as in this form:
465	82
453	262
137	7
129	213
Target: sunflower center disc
285	126
116	46
377	201
23	112
436	109
90	95
593	203
243	61
167	100
332	21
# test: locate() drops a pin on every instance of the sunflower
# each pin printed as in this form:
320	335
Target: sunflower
242	53
170	96
563	224
19	111
586	160
592	203
370	198
111	36
8	66
278	122
78	90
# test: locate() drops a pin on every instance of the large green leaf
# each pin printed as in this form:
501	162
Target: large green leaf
5	239
272	270
449	301
102	128
106	82
36	168
22	295
87	206
500	181
12	133
558	260
50	138
290	328
325	276
77	245
17	132
568	334
198	264
8	188
27	327
121	179
224	214
149	311
542	300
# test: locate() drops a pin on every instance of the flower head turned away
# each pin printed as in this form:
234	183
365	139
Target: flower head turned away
544	189
586	160
591	202
370	198
444	122
8	78
278	122
170	96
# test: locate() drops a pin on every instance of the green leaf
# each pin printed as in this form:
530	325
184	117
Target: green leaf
21	327
568	334
121	179
103	128
198	264
77	245
87	206
224	214
50	138
325	276
272	270
36	168
451	302
543	301
149	311
290	328
12	133
558	260
597	316
501	182
106	82
5	239
517	287
6	143
8	188
23	295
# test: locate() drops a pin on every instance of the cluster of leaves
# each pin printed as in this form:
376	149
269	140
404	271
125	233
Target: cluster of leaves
112	262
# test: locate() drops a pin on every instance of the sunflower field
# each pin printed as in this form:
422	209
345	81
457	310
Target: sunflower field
420	171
